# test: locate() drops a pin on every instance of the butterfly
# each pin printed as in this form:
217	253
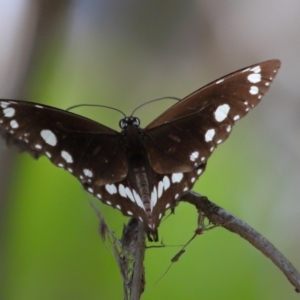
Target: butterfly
141	172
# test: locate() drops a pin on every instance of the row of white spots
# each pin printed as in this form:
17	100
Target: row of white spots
157	192
131	194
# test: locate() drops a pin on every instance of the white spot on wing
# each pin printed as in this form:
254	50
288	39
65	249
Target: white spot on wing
221	112
256	69
90	190
9	112
153	198
245	70
254	78
160	189
122	191
4	104
228	129
199	171
219	81
194	156
235	118
14	124
88	172
138	200
129	213
129	194
67	156
111	188
118	206
253	90
209	135
49	137
38	146
48	154
177	177
166	182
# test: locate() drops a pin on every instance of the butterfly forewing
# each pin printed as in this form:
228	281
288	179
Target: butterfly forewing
189	131
83	147
141	172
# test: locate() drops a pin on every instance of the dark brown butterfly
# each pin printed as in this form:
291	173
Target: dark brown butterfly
141	172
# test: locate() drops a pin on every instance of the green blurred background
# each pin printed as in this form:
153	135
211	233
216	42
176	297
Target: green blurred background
122	54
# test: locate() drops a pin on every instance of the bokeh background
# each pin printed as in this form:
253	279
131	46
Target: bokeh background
122	54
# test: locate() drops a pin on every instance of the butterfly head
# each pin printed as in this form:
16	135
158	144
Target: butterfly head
124	123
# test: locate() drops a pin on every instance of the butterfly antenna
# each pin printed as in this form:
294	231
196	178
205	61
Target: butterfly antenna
95	105
153	100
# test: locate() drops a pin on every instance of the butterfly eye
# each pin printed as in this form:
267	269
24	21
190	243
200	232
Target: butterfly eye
123	123
136	121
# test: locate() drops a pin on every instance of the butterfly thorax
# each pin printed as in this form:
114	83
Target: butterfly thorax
140	174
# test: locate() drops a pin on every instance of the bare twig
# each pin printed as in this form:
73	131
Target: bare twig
221	217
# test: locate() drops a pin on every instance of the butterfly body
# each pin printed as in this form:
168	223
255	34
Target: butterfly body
141	172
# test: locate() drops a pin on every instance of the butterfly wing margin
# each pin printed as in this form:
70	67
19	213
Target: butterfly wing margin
186	134
77	144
